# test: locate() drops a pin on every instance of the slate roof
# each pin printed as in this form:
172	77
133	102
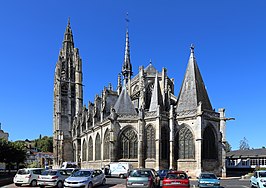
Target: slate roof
156	98
193	89
247	153
124	104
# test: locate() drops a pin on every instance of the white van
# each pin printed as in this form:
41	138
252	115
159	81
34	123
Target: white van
27	176
66	165
117	169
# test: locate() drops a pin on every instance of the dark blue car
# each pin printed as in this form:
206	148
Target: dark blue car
162	173
207	179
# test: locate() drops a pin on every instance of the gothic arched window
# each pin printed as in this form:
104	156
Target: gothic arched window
84	151
129	144
98	147
149	90
106	145
186	144
150	135
90	150
209	144
165	143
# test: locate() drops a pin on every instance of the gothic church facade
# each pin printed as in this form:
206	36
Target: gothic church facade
141	121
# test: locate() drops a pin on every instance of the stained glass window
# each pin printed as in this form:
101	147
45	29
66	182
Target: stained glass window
186	144
129	144
165	143
209	144
98	147
90	150
106	144
84	151
150	147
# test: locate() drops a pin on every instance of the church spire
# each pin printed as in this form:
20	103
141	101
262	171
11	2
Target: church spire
68	37
193	90
127	67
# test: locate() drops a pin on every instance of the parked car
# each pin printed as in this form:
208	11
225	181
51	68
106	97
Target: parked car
142	177
85	178
162	173
27	176
53	177
70	171
258	179
176	179
207	179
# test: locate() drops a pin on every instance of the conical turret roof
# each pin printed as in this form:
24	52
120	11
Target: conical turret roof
156	98
193	89
124	104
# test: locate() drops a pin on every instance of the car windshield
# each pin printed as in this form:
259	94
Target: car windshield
49	172
162	172
176	176
262	174
208	176
140	173
23	171
81	173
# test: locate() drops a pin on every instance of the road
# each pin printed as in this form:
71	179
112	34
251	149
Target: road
120	183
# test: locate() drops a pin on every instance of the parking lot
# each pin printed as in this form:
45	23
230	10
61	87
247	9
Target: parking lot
120	183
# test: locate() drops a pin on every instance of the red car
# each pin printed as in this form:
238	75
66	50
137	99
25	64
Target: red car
176	179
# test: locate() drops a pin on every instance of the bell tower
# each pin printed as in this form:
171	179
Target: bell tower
68	98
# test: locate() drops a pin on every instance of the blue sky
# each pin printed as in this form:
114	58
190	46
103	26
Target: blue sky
229	38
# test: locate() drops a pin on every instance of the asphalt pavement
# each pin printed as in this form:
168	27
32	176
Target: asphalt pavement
120	183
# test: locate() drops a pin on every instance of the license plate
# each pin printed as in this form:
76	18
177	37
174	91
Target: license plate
175	183
209	184
138	184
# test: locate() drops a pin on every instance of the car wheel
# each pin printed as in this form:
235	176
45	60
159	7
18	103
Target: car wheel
90	185
104	181
251	186
121	176
33	183
60	184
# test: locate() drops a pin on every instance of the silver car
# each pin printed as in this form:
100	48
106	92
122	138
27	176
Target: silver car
53	178
85	178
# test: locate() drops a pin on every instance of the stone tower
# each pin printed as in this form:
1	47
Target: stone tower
68	98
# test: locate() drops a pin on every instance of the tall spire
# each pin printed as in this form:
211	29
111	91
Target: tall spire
127	67
193	90
68	37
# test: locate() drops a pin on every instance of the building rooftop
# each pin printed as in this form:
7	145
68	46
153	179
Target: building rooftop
247	153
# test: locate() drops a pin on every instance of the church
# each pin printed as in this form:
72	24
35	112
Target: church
140	121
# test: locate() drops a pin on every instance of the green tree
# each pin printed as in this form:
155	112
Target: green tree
227	147
44	144
19	153
12	152
4	150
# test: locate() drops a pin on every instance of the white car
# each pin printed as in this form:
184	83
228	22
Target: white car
27	176
85	178
258	179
